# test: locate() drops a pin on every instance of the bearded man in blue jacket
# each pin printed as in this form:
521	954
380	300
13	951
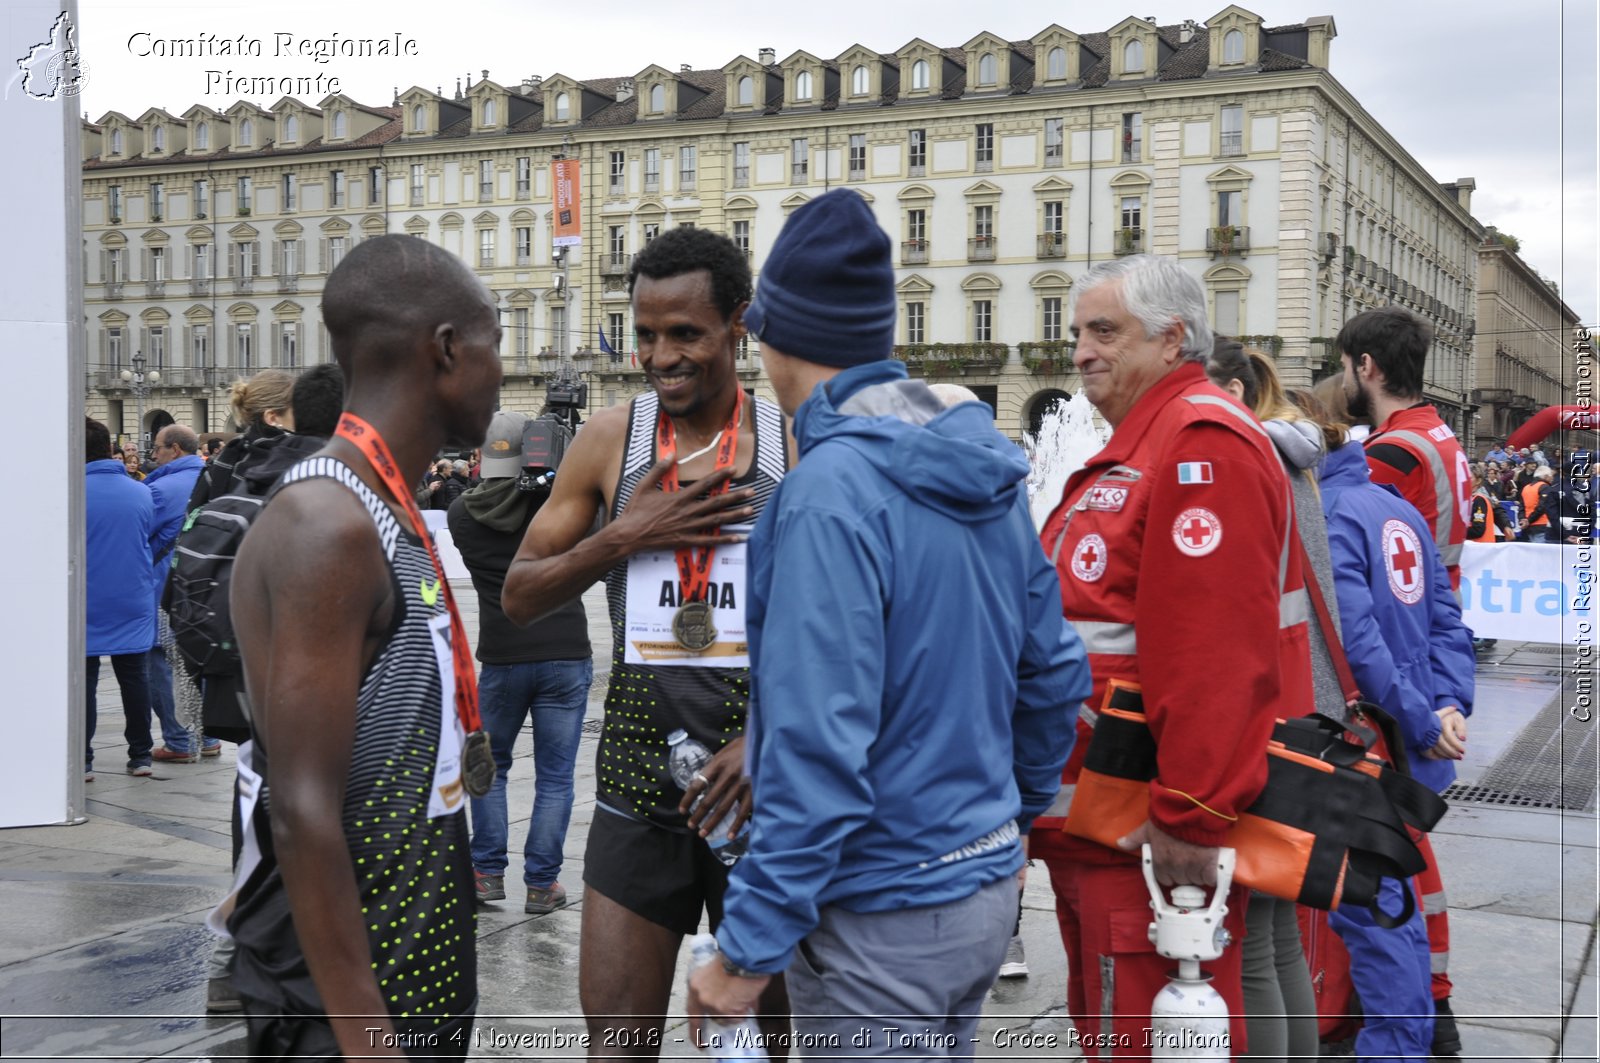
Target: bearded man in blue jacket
1411	655
915	688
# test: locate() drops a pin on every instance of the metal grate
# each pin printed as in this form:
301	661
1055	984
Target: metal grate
1553	763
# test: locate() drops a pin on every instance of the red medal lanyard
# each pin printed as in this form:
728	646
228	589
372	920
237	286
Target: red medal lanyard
366	439
694	567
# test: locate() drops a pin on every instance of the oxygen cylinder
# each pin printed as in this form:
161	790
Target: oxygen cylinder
1189	1018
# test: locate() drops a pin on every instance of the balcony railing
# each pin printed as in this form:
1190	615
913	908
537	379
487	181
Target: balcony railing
416	197
485	191
1228	240
917	169
199	286
524	190
615	264
288	282
243	285
155	289
980	249
799	174
913	252
1052	245
984	164
113	289
1129	241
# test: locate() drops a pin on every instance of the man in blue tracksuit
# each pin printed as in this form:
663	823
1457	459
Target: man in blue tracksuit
1412	656
915	687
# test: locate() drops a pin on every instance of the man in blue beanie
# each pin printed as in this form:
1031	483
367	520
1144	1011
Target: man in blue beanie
915	686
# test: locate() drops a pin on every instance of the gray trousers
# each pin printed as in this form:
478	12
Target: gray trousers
907	984
1280	1009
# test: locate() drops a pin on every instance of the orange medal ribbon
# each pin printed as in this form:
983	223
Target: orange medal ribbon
694	566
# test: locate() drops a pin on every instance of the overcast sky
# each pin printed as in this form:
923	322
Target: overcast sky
1504	93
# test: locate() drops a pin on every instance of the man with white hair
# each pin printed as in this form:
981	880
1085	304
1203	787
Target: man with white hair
1185	509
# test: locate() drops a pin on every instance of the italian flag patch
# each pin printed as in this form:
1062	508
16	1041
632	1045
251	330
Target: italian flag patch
1194	472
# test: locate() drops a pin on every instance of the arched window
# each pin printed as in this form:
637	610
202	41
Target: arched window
747	89
488	112
1055	64
116	142
1233	47
339	125
919	74
1133	57
158	139
563	107
858	81
291	129
419	118
987	69
802	85
247	133
658	99
202	136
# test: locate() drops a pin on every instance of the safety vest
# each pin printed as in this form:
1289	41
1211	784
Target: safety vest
1441	484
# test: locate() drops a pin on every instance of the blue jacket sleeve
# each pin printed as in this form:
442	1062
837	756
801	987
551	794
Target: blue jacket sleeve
1374	668
1450	643
167	521
816	724
1052	682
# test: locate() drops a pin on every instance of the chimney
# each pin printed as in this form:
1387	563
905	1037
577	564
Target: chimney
535	82
624	89
1464	187
528	85
767	56
684	68
1320	31
1190	28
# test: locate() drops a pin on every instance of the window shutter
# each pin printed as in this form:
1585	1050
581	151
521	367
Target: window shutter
277	257
322	260
233	260
105	270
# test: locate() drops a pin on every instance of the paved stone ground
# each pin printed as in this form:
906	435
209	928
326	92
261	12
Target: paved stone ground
103	951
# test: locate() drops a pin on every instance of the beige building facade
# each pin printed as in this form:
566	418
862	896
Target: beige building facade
1522	353
1001	169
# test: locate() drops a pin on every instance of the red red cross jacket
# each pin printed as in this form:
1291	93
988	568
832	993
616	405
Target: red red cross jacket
1173	547
1418	453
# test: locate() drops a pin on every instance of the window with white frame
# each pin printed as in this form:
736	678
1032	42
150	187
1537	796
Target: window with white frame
336	246
113	348
652	169
1132	212
1133	57
741	236
916	321
1055	64
244	346
919	75
156	356
246	259
1232	138
288	345
201	266
485	248
116	142
982	320
563	107
988	70
485	180
158	201
1226	314
614	332
1055	137
983	224
524	176
336	188
291	130
114	201
741	164
247	133
1132	136
419	118
858	156
158	265
859	81
802	86
418	184
619	173
520	339
524	235
158	139
658	99
617	244
374	185
490	113
200	346
289	258
290	191
340	125
650	230
799	160
114	271
983	147
1050	318
558	329
202	136
244	196
917	152
1053	218
747	91
688	163
1233	47
1230	208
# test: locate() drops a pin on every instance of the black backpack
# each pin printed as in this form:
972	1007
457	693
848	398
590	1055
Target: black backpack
196	597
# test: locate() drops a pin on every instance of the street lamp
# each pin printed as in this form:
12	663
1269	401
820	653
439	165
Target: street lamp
140	383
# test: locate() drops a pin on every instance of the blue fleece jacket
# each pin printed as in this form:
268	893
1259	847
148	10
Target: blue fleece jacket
915	688
120	614
170	486
1408	648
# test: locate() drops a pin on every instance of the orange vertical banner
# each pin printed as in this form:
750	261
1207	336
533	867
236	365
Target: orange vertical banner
568	193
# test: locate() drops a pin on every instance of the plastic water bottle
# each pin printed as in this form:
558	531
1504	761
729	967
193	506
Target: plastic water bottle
735	1042
685	758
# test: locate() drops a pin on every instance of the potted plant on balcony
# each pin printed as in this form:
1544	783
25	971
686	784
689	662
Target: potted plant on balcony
1045	357
1225	236
913	354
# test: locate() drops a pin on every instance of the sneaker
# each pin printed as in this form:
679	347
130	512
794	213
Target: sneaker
212	747
169	755
221	997
88	773
1446	1037
1016	963
546	900
138	767
486	888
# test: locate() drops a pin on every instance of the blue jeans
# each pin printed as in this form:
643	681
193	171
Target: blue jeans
165	705
555	693
129	669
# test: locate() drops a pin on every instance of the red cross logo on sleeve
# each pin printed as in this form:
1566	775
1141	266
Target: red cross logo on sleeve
1197	532
1402	551
1089	558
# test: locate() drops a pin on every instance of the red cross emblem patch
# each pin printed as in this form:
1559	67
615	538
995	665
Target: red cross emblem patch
1197	531
1089	558
1403	560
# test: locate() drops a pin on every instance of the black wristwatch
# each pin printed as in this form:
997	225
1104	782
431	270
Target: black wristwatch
737	971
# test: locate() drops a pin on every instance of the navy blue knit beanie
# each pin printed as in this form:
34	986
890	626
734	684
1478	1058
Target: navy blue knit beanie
826	293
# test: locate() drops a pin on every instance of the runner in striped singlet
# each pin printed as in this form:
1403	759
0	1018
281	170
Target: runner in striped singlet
353	909
647	875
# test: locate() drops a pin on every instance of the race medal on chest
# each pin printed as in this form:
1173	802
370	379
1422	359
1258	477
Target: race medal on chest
477	764
693	628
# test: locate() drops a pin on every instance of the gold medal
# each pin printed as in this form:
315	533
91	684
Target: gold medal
477	763
692	627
